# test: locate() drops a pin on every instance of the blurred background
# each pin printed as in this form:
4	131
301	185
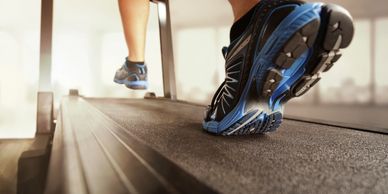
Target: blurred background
88	46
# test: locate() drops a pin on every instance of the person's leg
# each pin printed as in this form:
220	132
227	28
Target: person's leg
241	7
134	16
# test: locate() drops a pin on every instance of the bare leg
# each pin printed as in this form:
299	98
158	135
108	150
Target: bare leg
241	7
134	16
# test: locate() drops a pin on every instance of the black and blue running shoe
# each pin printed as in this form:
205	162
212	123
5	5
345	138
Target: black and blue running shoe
133	76
283	52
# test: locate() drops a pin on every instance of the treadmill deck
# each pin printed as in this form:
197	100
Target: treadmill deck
299	158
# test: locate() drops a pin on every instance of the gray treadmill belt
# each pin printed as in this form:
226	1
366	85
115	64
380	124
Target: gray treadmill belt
298	158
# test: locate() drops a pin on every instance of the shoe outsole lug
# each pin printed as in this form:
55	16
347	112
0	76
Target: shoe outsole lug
305	84
297	45
274	77
293	43
340	24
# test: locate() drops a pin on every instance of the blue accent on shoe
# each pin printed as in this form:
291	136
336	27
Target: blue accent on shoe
290	76
136	84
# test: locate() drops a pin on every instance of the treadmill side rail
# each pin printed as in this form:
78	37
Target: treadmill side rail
91	153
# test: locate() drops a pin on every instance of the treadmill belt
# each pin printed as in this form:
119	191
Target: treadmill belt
299	158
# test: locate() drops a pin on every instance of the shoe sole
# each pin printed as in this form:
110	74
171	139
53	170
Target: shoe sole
134	85
325	36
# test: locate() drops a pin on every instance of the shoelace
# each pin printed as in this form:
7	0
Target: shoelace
216	97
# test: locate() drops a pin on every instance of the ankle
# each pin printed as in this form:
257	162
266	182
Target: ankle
241	24
135	58
240	8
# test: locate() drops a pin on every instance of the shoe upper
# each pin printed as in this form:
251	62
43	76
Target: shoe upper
132	72
239	55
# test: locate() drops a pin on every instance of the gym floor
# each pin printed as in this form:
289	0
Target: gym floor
10	151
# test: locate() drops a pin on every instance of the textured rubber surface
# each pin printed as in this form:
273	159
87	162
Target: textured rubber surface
299	158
